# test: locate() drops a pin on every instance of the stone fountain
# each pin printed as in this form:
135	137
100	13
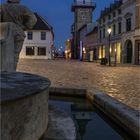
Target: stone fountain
24	97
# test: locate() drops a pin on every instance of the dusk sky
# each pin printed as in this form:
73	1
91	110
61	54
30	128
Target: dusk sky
58	14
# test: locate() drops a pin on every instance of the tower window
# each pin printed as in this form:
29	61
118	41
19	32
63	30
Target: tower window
83	18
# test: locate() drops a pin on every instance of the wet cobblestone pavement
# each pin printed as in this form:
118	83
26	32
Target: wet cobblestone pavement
121	82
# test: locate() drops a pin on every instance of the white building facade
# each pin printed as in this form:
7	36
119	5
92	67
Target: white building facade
39	41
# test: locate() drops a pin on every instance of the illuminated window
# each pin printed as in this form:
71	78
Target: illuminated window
101	52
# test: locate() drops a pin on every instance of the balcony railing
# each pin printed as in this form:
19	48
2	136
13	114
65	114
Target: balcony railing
83	3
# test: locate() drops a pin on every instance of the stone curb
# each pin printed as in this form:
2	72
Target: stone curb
124	116
70	92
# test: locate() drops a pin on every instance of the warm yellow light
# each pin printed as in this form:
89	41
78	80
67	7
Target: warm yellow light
115	50
66	51
110	50
109	30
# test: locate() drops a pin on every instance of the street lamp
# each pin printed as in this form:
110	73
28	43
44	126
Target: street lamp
83	52
109	32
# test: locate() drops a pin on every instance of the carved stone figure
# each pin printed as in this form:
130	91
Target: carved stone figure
21	19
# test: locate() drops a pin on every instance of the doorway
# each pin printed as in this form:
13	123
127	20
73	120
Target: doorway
129	51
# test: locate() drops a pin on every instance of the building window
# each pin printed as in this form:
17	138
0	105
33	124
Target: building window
30	35
104	33
114	29
119	11
104	20
100	34
43	35
83	18
128	24
41	51
109	16
114	14
29	50
119	27
84	1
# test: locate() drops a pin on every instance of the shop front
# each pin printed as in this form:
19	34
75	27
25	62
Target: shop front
115	53
102	52
137	52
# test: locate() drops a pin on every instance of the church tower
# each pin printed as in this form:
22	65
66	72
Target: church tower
83	10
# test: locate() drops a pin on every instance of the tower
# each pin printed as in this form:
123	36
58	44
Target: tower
82	15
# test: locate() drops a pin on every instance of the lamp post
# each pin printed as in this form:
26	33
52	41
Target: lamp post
83	52
109	32
115	56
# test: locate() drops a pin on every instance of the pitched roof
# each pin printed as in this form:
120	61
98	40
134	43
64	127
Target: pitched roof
41	24
95	30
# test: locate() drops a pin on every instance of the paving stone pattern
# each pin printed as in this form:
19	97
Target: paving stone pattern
121	82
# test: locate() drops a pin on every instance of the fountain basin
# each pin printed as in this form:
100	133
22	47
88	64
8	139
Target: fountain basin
24	106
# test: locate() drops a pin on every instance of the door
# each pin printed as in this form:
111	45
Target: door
129	52
95	54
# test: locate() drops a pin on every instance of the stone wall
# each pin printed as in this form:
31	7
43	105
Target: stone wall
137	14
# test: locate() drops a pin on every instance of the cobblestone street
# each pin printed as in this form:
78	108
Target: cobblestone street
121	82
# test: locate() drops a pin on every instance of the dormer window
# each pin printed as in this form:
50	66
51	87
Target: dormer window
43	35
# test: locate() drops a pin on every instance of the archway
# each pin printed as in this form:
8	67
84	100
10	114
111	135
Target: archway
129	51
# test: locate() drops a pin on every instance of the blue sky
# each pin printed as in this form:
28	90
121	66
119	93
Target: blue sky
58	14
